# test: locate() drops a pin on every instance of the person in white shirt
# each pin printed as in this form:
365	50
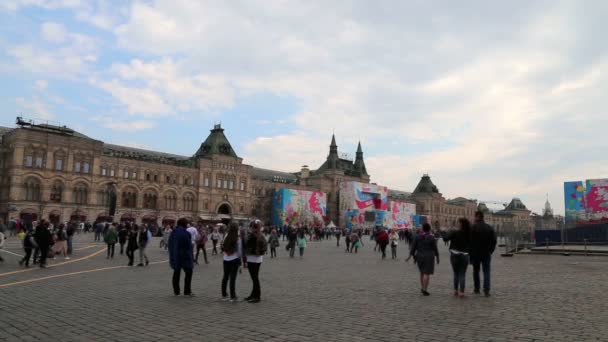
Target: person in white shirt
215	238
193	235
232	260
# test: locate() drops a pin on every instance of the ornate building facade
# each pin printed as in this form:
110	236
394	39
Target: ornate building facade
55	173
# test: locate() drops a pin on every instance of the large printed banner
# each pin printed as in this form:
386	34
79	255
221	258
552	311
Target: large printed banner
400	216
298	207
586	202
363	205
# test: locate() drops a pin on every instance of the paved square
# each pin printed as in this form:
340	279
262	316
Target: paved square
326	296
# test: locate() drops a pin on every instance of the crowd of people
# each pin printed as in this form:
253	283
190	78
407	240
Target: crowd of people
245	247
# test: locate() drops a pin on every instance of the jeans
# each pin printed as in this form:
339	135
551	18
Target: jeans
483	263
301	251
338	240
111	250
292	251
142	255
254	271
122	248
198	250
460	263
230	271
26	258
347	246
273	252
394	252
214	251
383	249
70	248
131	255
187	281
97	236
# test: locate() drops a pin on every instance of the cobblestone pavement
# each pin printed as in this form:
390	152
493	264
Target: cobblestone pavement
326	296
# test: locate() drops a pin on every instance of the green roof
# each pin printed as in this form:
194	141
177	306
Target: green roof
216	143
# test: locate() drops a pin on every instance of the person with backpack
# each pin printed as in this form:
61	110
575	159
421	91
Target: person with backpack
132	243
143	238
201	243
273	242
28	245
232	249
255	248
382	241
180	257
111	237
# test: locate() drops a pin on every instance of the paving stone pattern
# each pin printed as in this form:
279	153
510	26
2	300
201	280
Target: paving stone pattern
326	296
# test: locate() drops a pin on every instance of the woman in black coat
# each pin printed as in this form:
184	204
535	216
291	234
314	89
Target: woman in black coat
424	250
460	246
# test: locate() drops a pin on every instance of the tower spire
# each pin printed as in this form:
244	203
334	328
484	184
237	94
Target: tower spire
359	163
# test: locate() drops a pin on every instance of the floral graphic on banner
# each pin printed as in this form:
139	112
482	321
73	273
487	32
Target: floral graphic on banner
363	205
401	215
586	202
298	207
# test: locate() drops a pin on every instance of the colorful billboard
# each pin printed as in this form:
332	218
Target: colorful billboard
363	205
298	208
586	202
400	215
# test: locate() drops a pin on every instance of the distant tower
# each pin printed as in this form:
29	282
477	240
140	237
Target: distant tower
548	211
359	163
333	157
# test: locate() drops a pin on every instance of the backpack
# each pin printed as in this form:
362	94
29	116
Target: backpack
262	246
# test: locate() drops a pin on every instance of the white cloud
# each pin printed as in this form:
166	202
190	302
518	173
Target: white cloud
124	126
34	108
137	100
53	32
42	84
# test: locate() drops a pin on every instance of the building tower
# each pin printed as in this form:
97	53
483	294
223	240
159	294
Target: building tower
359	163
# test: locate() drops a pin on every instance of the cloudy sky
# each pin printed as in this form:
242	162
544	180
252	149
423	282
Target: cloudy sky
495	99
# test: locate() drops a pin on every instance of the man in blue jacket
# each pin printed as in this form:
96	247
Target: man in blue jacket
180	257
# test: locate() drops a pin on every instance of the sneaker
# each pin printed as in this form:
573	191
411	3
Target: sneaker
254	300
461	295
248	298
476	291
140	265
486	293
189	295
425	293
225	298
234	300
66	258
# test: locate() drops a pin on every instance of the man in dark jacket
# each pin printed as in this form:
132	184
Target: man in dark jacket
483	244
44	240
180	257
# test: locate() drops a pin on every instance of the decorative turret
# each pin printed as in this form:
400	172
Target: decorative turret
332	158
426	186
359	163
216	143
548	211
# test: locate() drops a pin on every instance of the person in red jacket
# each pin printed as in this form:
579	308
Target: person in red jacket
382	240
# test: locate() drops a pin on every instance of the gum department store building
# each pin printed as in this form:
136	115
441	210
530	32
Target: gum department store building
58	174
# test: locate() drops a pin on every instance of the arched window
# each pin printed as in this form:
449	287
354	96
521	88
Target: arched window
206	204
104	195
188	202
129	198
170	200
82	163
59	160
150	200
81	192
56	191
34	158
32	189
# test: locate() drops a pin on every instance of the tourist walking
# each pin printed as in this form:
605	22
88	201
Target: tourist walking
255	248
355	242
123	234
483	244
164	242
425	253
460	244
61	246
70	231
28	245
232	249
132	244
111	237
394	241
338	234
44	240
143	238
215	238
301	244
98	229
382	241
292	238
201	244
180	257
273	242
